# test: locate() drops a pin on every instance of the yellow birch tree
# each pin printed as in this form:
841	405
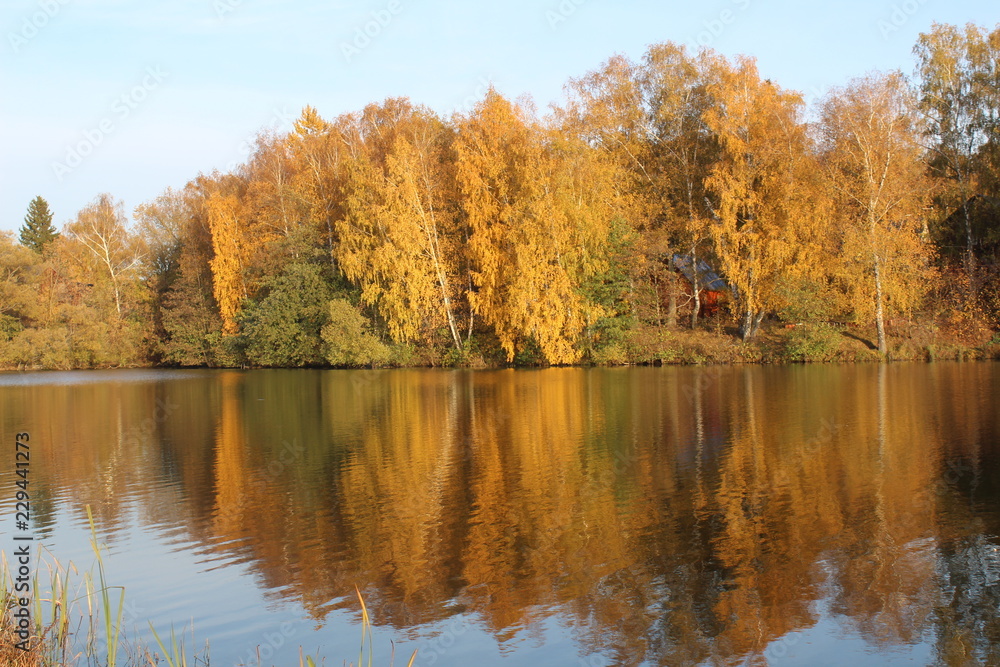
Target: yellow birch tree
875	169
523	247
398	236
754	185
101	233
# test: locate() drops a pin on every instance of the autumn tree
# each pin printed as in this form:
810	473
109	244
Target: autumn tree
528	249
29	334
678	92
101	231
874	166
318	152
49	318
958	71
18	289
607	110
753	183
229	261
273	210
94	302
38	231
399	239
175	231
232	250
593	212
160	226
649	118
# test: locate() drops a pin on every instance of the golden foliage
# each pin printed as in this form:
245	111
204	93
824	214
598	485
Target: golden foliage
504	234
755	181
535	227
877	176
230	256
398	234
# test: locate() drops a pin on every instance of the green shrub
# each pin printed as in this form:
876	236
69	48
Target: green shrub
283	328
529	353
812	342
347	341
614	354
806	300
10	326
469	355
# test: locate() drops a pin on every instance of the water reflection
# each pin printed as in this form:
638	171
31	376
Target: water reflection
668	516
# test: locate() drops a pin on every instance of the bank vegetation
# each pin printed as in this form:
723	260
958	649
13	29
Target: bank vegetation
862	226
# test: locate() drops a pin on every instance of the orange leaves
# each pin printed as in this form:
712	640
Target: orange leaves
532	233
754	182
230	257
398	237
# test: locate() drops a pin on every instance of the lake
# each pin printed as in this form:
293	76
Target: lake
787	515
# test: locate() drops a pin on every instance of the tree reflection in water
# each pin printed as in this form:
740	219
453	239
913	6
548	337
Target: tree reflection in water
668	516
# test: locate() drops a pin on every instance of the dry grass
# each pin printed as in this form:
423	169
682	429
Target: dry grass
9	655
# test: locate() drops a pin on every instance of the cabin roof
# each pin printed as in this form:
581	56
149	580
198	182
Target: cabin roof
707	278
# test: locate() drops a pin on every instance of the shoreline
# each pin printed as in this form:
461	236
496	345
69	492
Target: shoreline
776	346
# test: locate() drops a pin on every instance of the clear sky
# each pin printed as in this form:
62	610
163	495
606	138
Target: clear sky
132	96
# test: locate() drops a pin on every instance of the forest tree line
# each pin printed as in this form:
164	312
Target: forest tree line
393	235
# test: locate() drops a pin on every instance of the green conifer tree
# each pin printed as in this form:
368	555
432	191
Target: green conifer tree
38	231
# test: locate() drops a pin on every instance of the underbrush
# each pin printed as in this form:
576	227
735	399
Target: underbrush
812	342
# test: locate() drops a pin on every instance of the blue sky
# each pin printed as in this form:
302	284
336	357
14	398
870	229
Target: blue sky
130	97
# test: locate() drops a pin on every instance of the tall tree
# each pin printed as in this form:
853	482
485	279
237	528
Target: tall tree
399	238
528	249
161	227
38	230
677	88
959	105
175	233
649	118
607	110
247	244
101	228
876	172
230	256
754	184
318	151
270	199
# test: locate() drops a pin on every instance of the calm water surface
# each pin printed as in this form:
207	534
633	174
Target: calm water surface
822	515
